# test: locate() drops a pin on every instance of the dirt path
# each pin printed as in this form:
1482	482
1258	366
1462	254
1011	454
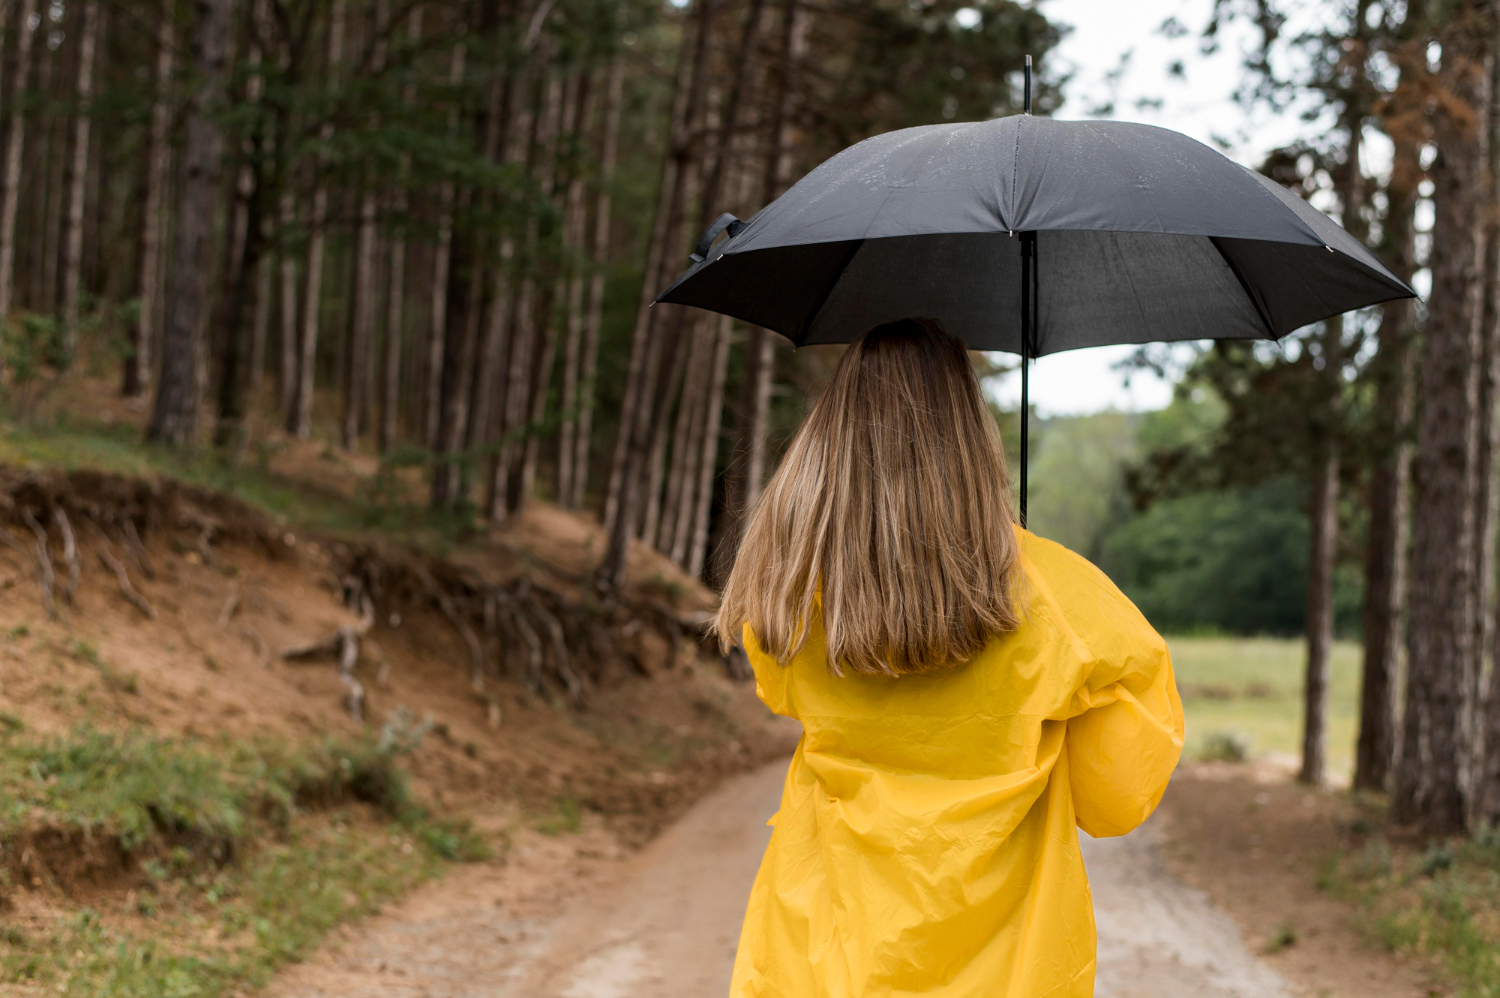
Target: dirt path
664	924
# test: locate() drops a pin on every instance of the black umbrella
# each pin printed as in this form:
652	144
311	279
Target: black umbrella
1145	235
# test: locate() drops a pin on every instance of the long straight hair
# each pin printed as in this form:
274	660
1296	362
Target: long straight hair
890	516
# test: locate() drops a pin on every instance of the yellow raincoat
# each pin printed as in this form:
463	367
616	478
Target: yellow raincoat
926	841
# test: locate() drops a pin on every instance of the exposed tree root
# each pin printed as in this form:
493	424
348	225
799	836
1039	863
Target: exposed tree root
44	562
122	577
514	619
70	552
230	606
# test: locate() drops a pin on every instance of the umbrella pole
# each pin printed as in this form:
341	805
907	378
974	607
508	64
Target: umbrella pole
1028	257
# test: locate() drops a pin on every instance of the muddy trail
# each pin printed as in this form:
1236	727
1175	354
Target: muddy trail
664	923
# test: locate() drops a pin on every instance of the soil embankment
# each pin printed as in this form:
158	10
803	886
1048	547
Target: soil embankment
215	655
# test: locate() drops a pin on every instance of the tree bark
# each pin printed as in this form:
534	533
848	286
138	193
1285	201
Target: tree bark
1432	785
702	393
138	364
575	241
1328	427
441	263
174	419
631	436
540	381
78	163
15	134
1323	548
1388	532
395	303
287	287
748	463
300	424
697	552
260	324
246	244
589	351
363	328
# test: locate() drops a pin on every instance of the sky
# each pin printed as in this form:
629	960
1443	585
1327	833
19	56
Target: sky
1117	53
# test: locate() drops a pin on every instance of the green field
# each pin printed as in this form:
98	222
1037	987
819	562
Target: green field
1252	687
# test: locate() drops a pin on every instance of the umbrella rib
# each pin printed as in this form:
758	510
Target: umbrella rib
813	315
1245	286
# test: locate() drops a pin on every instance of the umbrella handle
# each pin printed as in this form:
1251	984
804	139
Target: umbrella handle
724	222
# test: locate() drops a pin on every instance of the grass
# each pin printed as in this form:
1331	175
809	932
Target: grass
251	854
67	442
1247	692
1441	904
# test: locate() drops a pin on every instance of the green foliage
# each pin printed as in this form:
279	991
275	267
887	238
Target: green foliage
1441	903
228	835
137	787
1225	746
1077	479
567	816
1235	560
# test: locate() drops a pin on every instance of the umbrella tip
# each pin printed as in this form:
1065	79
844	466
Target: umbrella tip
1027	105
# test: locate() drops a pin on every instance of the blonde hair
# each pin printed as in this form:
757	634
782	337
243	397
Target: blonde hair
890	515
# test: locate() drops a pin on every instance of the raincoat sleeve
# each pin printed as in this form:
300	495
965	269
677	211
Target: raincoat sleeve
771	678
1126	735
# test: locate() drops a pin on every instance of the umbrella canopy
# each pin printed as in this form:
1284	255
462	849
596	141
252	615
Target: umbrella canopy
1141	235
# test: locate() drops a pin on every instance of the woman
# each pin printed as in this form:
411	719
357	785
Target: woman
969	693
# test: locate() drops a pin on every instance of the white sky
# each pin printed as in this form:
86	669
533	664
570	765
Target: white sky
1117	53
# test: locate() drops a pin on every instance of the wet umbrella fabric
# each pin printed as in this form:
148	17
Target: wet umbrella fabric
1141	234
1033	236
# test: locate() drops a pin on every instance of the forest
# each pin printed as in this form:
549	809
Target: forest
430	231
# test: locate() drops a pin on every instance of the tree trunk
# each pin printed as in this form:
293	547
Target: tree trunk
395	303
575	240
698	439
748	463
301	421
136	376
174	419
286	300
573	111
493	391
465	288
589	351
441	262
363	328
246	239
78	163
1324	541
633	438
1388	533
1432	786
529	324
697	551
15	133
260	323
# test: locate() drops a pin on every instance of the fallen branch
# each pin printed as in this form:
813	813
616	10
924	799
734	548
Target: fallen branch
44	562
126	589
70	552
